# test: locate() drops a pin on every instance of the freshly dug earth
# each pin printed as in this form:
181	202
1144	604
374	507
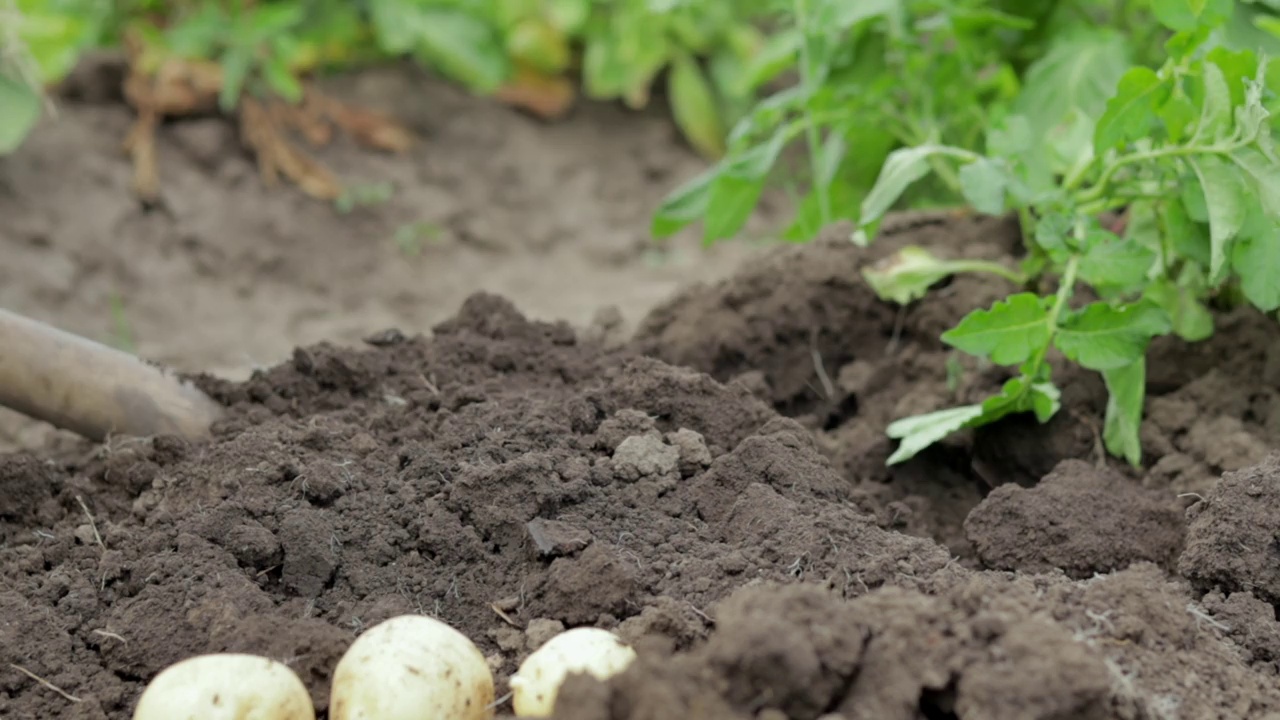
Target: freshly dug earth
513	478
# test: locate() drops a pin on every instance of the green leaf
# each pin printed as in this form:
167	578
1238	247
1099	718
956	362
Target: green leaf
1261	173
1046	400
901	169
756	162
732	200
684	205
1256	258
1215	111
1010	138
983	183
236	63
1177	114
1131	112
1126	389
1192	196
778	55
1225	203
1238	67
1189	15
1113	262
568	16
907	274
454	41
54	37
694	105
1019	394
1191	320
1079	72
834	149
844	14
843	198
625	54
19	113
269	20
1051	235
921	431
1183	44
1009	333
282	81
1105	337
1186	236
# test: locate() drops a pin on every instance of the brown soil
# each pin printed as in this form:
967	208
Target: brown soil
714	491
225	276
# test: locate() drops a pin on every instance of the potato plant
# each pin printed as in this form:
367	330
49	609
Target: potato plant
1170	123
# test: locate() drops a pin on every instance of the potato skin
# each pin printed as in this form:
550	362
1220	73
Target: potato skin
412	667
225	686
536	684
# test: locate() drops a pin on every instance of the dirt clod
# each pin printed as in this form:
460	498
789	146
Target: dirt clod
1080	519
1231	534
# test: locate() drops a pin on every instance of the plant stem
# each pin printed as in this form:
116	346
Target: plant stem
1059	302
1100	188
812	136
994	268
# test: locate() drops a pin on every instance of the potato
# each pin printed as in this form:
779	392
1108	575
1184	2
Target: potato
412	667
581	650
225	686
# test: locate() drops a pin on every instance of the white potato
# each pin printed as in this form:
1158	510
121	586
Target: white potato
412	667
225	686
536	684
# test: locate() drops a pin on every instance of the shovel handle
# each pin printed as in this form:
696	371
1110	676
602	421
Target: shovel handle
92	389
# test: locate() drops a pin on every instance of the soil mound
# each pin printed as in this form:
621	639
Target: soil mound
1232	534
501	476
513	479
1080	519
800	315
1127	645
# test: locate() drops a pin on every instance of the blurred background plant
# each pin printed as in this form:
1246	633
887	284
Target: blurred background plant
873	76
535	54
843	82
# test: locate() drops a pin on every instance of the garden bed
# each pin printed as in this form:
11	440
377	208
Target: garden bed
730	513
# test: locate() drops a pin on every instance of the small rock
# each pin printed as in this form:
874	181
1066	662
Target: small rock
541	630
694	454
84	533
553	538
508	639
643	456
624	424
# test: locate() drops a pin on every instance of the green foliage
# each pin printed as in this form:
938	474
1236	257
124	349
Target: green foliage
1060	112
40	41
1188	145
618	48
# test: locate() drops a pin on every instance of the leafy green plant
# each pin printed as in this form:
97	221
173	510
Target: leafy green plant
618	49
1186	151
877	75
40	41
1059	112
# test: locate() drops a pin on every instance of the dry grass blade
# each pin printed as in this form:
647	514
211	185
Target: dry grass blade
45	683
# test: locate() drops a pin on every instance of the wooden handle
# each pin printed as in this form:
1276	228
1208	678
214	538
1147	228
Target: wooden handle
76	384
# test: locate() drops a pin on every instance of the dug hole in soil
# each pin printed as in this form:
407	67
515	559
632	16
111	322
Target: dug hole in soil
714	491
